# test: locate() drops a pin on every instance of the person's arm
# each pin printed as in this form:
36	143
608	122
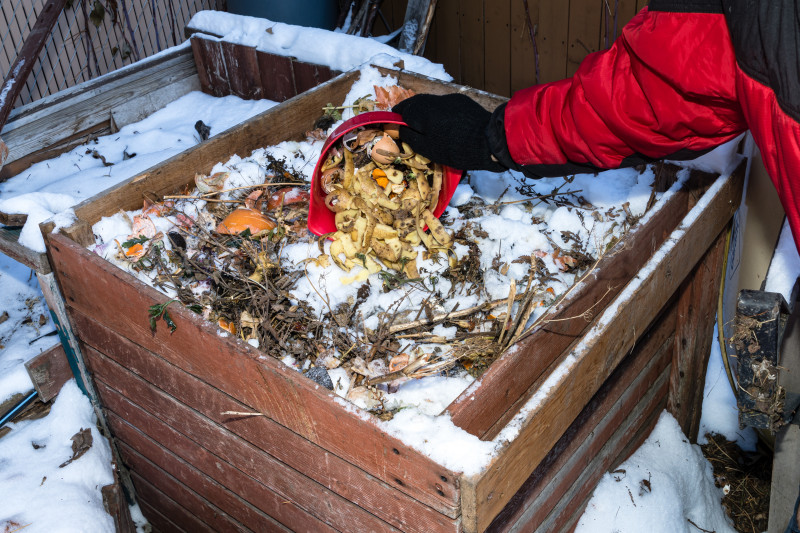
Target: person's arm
666	87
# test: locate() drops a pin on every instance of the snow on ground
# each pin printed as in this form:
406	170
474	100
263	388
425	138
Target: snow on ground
36	492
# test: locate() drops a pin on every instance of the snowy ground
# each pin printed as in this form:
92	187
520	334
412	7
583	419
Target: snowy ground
40	492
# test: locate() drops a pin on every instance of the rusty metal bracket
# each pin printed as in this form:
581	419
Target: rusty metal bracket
768	395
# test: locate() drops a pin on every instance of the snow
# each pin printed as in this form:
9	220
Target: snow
785	267
665	486
36	493
338	51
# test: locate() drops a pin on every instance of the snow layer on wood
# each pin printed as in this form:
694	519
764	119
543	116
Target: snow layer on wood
666	486
338	51
40	488
785	266
54	185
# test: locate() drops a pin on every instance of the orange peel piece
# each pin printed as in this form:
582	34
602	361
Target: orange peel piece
243	219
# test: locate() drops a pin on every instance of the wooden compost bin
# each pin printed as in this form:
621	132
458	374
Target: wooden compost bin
313	462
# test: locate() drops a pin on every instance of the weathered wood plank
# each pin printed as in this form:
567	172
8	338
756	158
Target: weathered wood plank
522	62
277	391
335	474
49	371
584	31
61	121
487	405
697	308
157	521
472	49
243	74
593	360
570	509
211	61
285	121
308	75
10	246
291	485
583	440
211	491
186	510
130	423
447	19
497	47
553	27
277	76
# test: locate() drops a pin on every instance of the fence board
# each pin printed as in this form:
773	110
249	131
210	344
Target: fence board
497	47
584	31
522	61
472	42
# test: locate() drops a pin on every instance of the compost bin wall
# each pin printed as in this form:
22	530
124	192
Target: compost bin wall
218	436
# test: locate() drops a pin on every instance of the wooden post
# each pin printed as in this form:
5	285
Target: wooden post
19	70
697	305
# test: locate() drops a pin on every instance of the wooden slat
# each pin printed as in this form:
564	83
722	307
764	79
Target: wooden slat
553	29
276	390
243	73
157	521
335	474
210	61
61	121
211	491
132	423
694	330
308	75
619	11
584	31
10	246
472	48
497	47
583	440
291	485
570	509
49	371
285	121
485	494
277	77
522	62
186	513
487	406
448	19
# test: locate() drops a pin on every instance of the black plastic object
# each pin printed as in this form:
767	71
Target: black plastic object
764	400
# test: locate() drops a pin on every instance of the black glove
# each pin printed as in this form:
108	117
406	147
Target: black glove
449	129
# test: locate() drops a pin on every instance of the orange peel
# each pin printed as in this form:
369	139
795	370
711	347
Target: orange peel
242	219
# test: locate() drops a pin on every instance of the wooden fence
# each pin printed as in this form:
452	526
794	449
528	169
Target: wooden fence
487	44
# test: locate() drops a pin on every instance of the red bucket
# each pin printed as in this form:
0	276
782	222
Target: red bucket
321	220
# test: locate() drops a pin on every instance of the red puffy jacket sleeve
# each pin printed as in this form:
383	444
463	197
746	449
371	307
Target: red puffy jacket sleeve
667	87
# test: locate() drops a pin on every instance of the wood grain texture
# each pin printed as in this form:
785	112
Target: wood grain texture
186	475
133	423
212	70
10	246
446	33
594	426
308	75
694	330
244	77
522	63
49	371
63	120
211	429
593	359
471	22
182	509
277	76
273	389
487	405
497	47
584	31
554	32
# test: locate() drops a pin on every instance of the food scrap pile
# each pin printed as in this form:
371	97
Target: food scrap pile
397	295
